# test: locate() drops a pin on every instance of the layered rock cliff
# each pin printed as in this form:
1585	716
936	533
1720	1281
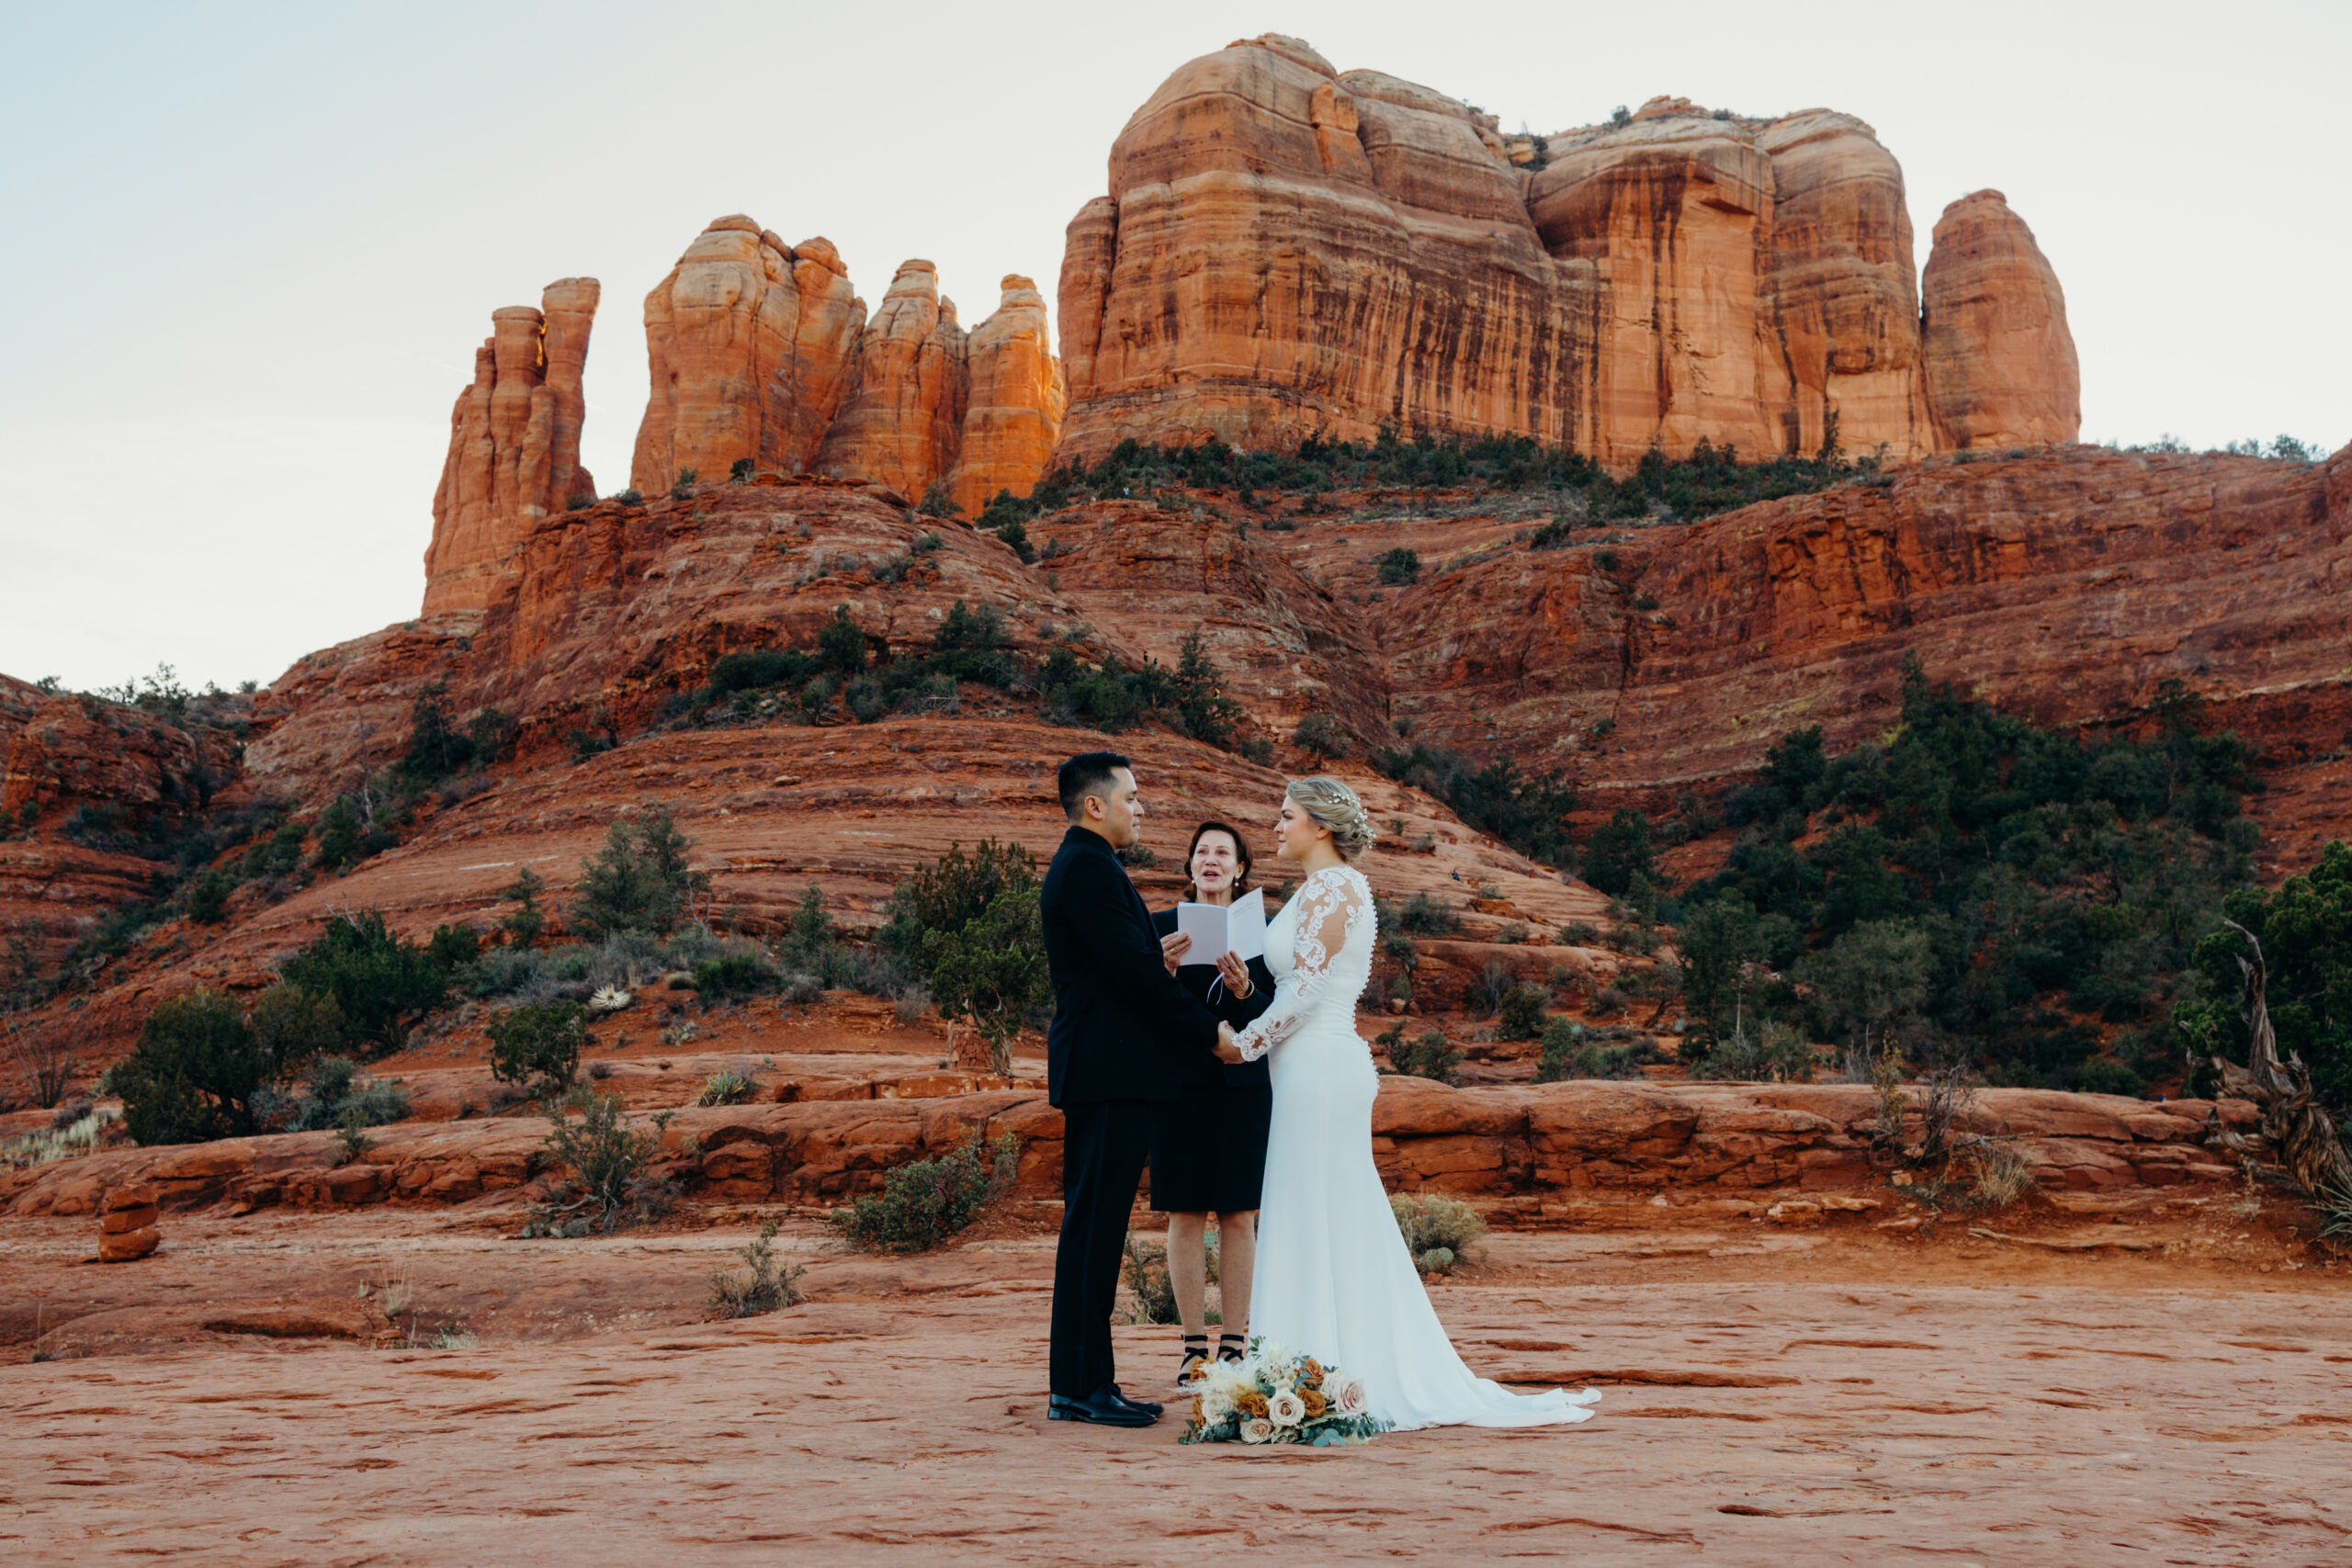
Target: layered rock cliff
1289	250
513	444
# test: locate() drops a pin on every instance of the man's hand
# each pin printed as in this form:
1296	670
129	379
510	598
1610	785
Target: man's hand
1226	1051
1237	974
1173	948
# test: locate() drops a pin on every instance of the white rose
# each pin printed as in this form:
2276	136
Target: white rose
1346	1394
1216	1403
1257	1429
1284	1408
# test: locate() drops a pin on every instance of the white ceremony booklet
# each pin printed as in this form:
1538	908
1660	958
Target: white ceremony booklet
1239	929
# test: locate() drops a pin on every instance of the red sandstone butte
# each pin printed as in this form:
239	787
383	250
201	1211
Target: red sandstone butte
1288	250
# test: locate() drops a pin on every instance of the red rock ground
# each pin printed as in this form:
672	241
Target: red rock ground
1845	1395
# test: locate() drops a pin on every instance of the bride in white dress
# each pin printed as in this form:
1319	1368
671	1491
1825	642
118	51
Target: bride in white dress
1334	1279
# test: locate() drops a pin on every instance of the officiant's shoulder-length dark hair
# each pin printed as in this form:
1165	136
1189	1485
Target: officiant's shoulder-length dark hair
1240	855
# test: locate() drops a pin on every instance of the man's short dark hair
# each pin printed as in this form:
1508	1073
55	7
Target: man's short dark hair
1085	775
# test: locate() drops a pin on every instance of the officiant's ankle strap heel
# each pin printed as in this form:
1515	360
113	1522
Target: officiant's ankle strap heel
1196	1355
1232	1346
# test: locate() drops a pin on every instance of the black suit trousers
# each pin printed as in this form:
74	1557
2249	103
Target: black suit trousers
1104	1144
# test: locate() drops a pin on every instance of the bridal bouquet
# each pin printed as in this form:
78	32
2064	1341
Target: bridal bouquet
1275	1398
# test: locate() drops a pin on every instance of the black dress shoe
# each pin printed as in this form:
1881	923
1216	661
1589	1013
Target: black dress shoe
1103	1407
1155	1409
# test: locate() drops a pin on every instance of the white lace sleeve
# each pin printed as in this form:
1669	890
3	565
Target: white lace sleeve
1328	907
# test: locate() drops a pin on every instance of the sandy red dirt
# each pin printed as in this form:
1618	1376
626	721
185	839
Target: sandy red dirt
1835	1396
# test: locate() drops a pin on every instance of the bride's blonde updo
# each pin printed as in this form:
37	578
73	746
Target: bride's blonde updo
1331	803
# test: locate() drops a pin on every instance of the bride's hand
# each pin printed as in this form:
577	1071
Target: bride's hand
1173	948
1226	1051
1237	975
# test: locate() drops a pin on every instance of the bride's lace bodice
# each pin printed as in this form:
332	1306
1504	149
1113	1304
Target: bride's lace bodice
1320	952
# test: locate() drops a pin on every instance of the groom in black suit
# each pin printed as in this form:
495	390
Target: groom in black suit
1122	1029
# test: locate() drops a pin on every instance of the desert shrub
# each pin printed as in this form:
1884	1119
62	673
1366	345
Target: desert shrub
206	899
2100	1074
685	485
735	976
193	1073
334	1093
1530	814
537	1046
2002	1176
1521	1016
44	1053
991	970
739	472
292	1027
630	497
1774	1054
1609	1001
726	1087
1494	983
1143	1271
639	879
1557	1051
1431	1056
1399	567
842	643
1320	735
1437	1230
924	1202
527	921
609	1184
1619	851
1197	694
952	892
382	984
770	1286
1425	915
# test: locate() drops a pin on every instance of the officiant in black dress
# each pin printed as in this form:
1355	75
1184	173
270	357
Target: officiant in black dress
1208	1145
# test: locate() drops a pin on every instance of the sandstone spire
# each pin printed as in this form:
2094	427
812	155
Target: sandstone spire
513	444
1017	399
903	421
2000	362
750	342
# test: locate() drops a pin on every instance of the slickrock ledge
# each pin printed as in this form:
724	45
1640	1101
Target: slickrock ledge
1545	1154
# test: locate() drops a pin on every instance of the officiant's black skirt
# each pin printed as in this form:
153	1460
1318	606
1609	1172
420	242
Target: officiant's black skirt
1209	1148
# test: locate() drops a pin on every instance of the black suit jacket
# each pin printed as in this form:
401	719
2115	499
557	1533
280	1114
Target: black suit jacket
1123	1028
1200	980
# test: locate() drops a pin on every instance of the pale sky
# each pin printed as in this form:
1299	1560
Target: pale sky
247	250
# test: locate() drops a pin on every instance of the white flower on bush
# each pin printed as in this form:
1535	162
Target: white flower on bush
1346	1394
1284	1408
1257	1429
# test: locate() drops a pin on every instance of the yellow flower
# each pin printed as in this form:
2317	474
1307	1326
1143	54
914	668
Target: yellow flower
1315	1402
1249	1402
1312	1376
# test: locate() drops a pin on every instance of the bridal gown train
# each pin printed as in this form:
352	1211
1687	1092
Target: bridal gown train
1334	1280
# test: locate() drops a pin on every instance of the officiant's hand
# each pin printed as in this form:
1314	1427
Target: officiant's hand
1235	971
1226	1051
1173	948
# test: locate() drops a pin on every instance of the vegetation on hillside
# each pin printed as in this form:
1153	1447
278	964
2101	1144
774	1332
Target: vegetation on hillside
1978	886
